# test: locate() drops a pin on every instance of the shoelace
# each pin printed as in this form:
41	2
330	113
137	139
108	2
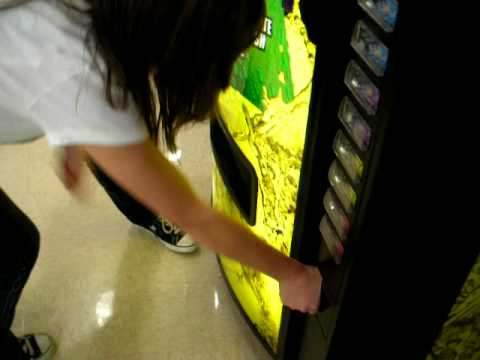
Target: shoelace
169	228
30	347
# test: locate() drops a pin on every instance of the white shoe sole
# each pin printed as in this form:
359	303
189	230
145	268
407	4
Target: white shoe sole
49	355
177	249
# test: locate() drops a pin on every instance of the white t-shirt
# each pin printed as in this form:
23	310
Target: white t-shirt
49	85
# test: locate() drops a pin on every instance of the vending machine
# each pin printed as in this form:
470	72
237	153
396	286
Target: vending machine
320	150
258	145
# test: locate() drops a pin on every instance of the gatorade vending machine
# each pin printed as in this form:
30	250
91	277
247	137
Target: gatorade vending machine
315	152
258	145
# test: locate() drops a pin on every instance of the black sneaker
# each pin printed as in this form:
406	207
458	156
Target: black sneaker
171	236
38	346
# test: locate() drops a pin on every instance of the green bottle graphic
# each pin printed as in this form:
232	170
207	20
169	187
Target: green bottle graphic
269	66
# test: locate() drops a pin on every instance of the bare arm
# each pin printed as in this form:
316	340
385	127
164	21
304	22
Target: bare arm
156	183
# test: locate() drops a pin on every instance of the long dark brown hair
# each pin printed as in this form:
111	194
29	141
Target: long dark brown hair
185	48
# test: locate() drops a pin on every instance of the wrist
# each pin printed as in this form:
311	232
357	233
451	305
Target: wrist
295	270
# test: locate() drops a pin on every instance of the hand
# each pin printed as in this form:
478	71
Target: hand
72	167
301	291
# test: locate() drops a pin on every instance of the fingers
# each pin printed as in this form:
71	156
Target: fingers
303	293
70	172
309	310
71	169
312	311
70	178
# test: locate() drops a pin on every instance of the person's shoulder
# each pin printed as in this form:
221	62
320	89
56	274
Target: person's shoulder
64	14
39	27
4	4
44	48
